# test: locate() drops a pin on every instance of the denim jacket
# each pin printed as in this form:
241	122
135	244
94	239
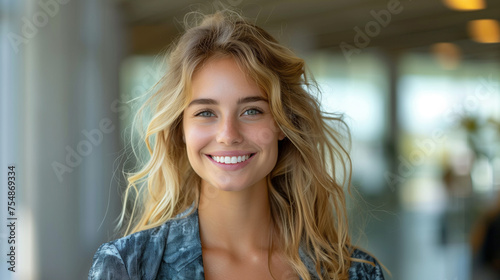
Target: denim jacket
173	251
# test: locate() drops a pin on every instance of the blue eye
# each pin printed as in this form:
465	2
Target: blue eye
253	112
205	114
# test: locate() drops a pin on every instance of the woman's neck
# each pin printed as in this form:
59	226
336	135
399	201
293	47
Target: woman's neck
239	222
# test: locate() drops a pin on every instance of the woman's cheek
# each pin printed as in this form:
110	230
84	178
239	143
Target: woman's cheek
196	136
266	133
264	136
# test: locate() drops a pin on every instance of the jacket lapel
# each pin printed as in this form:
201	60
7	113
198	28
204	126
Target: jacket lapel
183	252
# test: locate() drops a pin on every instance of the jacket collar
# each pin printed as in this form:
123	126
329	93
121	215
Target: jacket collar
187	254
184	234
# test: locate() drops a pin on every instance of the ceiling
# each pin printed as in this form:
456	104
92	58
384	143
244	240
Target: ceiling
319	24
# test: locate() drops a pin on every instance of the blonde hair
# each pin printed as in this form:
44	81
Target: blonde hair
306	187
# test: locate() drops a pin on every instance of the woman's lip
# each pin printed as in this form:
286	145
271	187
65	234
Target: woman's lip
231	154
232	166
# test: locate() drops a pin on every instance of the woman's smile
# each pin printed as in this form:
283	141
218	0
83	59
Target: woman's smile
231	159
231	163
228	127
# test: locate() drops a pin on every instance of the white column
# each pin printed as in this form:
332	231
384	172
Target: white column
70	132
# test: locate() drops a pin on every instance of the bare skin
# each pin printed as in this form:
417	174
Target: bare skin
235	235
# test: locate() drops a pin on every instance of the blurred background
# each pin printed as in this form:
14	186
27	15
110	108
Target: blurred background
419	82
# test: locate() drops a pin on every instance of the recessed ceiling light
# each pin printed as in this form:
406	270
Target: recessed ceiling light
465	5
484	30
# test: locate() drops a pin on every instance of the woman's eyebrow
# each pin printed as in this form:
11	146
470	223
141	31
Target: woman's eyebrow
208	101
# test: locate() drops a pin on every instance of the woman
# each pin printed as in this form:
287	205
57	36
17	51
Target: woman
242	179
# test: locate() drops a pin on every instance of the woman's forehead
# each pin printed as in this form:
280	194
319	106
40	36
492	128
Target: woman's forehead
223	78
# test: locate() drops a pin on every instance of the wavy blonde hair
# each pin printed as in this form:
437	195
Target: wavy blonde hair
306	187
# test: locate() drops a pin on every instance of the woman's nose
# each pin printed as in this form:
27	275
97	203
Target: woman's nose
229	132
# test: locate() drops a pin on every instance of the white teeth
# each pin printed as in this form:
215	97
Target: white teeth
230	160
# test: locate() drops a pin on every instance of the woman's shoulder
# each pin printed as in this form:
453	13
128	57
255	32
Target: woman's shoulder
139	255
364	271
119	259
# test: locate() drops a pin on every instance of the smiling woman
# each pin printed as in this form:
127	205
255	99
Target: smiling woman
224	146
242	180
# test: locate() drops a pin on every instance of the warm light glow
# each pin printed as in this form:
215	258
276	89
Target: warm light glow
484	30
465	5
447	54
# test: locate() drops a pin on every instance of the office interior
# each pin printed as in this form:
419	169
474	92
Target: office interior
418	83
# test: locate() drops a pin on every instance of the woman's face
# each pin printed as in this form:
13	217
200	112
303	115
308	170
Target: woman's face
230	134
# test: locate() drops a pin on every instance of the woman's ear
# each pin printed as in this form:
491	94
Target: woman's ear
281	135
